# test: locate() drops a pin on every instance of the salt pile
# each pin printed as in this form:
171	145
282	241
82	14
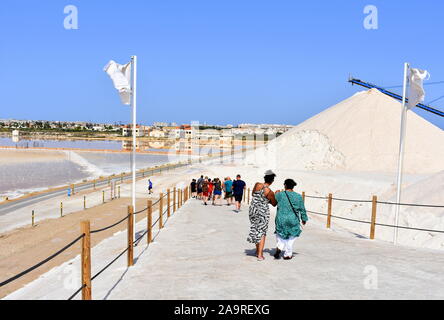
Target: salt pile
351	150
360	134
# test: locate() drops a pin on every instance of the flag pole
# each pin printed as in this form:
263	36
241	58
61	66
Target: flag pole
134	113
401	150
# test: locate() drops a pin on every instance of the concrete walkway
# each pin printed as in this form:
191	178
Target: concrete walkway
203	254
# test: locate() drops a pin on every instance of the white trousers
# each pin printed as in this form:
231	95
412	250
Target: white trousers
285	245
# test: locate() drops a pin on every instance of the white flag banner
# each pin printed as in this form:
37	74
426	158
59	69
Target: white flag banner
416	92
121	77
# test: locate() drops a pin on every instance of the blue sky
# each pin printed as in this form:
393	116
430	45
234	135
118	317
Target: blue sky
230	61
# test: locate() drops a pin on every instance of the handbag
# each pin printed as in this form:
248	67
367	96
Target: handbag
297	213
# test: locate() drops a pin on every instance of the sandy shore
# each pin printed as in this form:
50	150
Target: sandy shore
13	156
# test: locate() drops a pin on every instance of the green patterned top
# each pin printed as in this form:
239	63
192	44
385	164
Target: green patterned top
287	224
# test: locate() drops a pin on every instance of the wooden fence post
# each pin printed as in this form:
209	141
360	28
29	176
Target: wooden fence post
329	210
178	199
61	209
174	199
73	191
373	224
168	202
244	193
303	196
84	202
118	188
103	196
161	211
248	195
150	222
86	260
130	236
32	218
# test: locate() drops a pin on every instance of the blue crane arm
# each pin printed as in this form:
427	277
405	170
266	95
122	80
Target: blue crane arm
394	95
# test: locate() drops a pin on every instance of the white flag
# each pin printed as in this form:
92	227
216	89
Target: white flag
416	92
121	77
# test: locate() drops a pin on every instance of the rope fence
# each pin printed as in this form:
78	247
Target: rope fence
182	197
373	223
110	226
380	202
21	274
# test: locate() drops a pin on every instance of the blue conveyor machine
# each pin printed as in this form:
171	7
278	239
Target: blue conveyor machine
394	95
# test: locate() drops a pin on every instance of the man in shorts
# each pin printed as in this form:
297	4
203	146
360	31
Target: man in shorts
193	186
217	193
238	192
199	187
228	189
150	186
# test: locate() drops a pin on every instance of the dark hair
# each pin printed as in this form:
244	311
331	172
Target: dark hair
290	184
269	178
238	176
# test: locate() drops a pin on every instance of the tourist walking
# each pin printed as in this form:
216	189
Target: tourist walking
205	189
228	184
193	187
199	187
259	213
289	217
150	186
217	191
210	189
238	188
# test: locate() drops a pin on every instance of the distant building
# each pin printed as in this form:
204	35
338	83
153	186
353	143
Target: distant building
184	132
160	124
98	128
208	134
156	133
127	131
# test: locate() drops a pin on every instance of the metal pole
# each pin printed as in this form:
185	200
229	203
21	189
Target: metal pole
134	110
401	151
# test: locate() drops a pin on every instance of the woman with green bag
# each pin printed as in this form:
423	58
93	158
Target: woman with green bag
290	217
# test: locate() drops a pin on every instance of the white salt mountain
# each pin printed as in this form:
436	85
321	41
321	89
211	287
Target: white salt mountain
360	133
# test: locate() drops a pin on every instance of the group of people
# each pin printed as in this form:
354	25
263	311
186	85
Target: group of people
290	217
207	189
